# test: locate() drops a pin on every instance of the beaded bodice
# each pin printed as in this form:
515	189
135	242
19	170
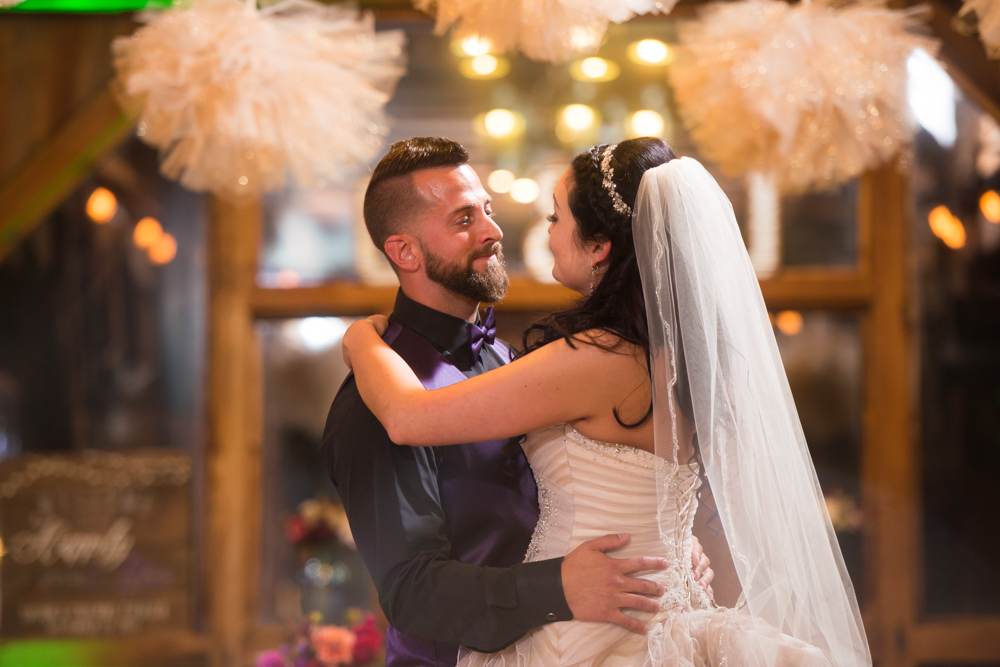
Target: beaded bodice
588	489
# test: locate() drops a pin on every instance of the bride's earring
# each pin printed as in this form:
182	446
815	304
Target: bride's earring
593	277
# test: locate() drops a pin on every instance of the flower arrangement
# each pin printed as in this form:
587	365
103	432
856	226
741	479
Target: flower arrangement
319	520
317	645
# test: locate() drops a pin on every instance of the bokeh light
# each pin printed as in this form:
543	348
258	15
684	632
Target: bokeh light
650	52
500	122
647	123
789	322
484	65
164	251
101	205
594	69
501	181
947	227
474	45
524	191
578	117
989	204
147	232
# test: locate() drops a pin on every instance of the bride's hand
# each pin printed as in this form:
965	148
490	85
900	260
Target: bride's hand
380	323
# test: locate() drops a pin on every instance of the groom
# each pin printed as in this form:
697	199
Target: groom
444	530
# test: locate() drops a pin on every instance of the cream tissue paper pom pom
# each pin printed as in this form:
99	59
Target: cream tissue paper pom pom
546	30
237	98
809	94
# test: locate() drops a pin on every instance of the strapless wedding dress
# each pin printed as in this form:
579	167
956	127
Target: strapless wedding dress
587	489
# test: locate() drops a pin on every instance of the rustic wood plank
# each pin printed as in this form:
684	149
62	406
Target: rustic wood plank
791	289
233	446
889	456
59	166
958	640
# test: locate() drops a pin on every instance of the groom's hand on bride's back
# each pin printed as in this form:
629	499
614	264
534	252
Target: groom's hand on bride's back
597	586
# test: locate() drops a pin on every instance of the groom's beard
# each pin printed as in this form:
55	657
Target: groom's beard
464	280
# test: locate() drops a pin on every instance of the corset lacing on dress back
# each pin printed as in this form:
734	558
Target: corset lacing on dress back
588	489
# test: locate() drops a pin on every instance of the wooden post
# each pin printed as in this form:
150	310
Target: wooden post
233	448
889	463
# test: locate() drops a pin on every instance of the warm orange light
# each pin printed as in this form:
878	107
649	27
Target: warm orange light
789	322
101	205
946	227
989	204
287	278
147	232
164	251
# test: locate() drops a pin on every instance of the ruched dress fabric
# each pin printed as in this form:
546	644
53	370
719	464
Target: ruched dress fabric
588	489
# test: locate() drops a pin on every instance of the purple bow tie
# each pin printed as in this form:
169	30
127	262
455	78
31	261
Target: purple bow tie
478	335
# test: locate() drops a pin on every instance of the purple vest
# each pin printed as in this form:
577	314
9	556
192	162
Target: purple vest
488	495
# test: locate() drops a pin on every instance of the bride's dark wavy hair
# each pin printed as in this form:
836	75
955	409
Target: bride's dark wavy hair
616	305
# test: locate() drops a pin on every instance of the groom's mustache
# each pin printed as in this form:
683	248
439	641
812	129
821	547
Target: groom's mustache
493	249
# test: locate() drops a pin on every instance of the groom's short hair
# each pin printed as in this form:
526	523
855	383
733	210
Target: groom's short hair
391	195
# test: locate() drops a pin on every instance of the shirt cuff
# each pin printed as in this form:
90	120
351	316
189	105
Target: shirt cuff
540	593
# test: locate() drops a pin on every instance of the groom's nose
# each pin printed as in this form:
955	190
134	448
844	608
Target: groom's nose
490	231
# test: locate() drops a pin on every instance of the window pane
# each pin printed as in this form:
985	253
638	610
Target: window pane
820	228
823	358
307	563
956	251
102	372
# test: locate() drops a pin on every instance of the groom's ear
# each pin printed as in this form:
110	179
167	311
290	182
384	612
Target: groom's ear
404	252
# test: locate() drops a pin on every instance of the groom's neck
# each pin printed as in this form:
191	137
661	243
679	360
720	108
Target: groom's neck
440	298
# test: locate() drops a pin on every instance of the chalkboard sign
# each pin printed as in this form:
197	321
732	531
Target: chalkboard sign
95	544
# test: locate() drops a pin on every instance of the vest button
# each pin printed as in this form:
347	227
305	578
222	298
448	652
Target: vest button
551	616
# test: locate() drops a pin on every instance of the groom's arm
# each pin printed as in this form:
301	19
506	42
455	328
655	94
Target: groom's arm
391	497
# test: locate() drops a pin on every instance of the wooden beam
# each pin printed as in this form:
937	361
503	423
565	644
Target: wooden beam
972	640
343	298
233	451
59	166
791	289
965	59
889	460
816	288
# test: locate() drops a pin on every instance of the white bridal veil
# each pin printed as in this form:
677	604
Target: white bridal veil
719	384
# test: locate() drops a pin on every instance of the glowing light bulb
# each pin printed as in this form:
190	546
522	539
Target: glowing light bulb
147	232
947	227
578	117
501	181
101	205
484	65
789	322
500	122
989	204
651	52
647	123
594	68
474	45
164	251
524	191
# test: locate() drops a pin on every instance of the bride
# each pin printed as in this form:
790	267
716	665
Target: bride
664	378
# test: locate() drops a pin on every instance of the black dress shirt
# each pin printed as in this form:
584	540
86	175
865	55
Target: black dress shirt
392	497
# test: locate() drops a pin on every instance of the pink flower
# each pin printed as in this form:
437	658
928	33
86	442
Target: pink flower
334	646
296	529
369	641
271	659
